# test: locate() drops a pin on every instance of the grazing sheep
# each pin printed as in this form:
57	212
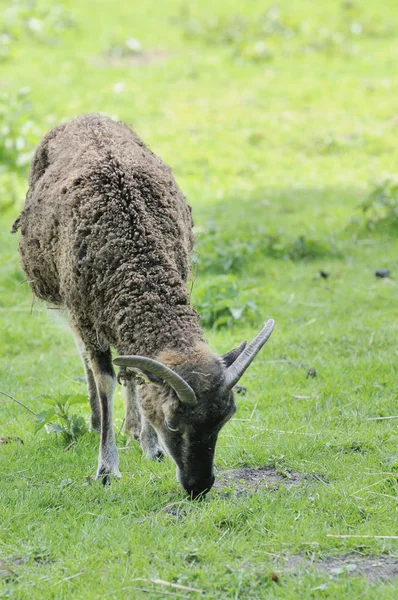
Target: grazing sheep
106	234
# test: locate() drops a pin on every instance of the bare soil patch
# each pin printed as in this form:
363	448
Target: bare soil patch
144	58
7	565
6	572
355	565
249	479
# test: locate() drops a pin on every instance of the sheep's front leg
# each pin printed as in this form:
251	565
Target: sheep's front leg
105	380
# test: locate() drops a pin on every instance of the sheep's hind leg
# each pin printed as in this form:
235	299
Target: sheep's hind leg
105	379
135	425
132	419
149	441
91	385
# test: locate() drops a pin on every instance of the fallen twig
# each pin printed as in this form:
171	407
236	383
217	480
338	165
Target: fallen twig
175	586
67	578
142	589
381	418
19	402
366	488
376	537
317	478
385	495
70	445
163	592
382	473
289	432
253	411
221	536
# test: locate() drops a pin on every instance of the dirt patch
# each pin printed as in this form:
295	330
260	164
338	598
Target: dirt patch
355	565
144	58
7	565
8	439
6	572
249	479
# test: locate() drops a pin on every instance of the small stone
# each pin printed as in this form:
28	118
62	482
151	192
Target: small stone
119	87
322	275
382	273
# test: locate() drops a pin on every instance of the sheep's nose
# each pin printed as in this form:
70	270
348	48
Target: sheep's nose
197	488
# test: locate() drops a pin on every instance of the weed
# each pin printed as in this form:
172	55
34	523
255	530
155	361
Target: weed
29	19
247	39
6	45
129	47
220	304
8	191
19	132
259	38
219	253
71	427
382	202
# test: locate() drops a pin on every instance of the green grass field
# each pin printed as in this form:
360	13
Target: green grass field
279	123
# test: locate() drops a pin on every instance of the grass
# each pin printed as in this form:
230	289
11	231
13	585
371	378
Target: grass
278	134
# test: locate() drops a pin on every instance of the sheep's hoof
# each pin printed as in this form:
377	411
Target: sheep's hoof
106	474
159	455
154	453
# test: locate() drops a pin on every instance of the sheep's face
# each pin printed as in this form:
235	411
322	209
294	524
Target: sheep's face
188	433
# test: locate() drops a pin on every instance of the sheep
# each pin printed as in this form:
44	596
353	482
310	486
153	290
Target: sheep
106	236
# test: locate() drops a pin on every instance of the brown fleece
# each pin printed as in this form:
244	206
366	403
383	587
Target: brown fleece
106	232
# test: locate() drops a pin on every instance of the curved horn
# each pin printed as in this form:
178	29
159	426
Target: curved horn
236	370
148	365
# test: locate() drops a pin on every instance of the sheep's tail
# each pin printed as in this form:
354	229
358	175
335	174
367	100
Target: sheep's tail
16	225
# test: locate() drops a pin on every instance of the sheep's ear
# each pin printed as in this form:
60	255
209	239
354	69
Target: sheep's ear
231	356
148	377
153	378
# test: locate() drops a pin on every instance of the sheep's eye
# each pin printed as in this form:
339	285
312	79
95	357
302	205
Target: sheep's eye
171	426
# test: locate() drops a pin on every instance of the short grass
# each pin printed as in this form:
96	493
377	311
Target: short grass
277	123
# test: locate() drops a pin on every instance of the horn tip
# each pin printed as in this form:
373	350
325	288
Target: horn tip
120	361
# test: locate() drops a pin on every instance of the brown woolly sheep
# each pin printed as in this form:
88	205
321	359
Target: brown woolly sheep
106	234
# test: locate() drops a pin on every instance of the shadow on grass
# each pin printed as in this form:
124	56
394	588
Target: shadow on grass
296	224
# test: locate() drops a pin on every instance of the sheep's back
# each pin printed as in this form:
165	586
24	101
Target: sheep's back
99	204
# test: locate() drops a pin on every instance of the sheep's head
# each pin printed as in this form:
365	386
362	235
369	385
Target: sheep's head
188	400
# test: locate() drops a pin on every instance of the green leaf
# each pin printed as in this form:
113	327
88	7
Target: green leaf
77	427
62	399
53	428
46	399
78	399
44	417
237	312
